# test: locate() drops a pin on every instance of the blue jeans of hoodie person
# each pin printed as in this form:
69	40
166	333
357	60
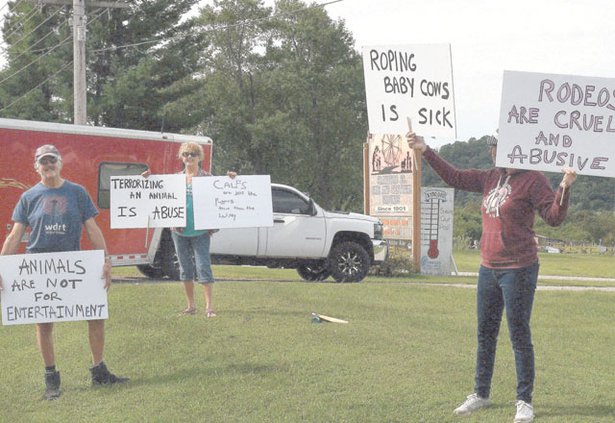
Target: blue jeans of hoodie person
511	290
193	255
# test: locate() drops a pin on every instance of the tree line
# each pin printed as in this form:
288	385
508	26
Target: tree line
280	91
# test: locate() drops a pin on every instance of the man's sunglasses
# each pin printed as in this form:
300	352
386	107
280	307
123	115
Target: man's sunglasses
47	160
187	154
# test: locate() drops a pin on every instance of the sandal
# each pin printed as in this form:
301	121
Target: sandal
211	313
189	311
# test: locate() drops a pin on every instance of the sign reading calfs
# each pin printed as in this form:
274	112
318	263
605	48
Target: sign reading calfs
411	81
549	121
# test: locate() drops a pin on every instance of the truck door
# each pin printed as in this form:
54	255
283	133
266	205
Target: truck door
295	232
235	242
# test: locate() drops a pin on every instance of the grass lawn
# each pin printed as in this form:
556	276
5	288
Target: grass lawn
407	355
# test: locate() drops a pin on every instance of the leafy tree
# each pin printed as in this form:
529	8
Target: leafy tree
133	57
282	94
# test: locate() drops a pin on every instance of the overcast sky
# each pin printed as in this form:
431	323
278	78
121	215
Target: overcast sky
487	37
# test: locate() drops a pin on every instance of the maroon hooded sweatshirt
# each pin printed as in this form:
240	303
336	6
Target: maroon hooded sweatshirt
510	200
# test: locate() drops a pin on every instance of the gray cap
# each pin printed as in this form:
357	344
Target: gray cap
46	150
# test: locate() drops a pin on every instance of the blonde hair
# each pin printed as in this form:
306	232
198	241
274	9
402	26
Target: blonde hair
191	147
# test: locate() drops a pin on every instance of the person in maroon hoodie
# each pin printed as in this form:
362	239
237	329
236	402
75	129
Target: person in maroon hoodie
509	262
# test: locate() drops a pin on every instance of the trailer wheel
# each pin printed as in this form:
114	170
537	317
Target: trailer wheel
316	271
349	262
168	258
150	271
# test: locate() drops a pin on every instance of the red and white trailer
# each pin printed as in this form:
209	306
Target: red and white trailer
91	155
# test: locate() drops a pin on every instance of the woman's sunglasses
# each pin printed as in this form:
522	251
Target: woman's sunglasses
187	154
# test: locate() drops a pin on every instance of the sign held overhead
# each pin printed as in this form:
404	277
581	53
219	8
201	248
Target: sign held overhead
411	81
550	121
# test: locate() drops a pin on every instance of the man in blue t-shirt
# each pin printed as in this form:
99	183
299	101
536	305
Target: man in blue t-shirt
57	211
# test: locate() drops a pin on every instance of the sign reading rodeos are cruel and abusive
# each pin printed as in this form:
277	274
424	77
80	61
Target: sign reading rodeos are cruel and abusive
53	287
549	121
410	81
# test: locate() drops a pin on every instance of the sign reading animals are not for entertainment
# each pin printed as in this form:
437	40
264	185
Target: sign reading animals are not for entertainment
53	287
548	122
413	81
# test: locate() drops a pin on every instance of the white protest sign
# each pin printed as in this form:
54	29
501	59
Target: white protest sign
548	122
158	201
53	287
240	202
410	81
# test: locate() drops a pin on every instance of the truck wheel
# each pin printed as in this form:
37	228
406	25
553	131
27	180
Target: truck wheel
348	262
150	271
314	271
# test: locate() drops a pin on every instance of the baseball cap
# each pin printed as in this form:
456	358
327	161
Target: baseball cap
46	150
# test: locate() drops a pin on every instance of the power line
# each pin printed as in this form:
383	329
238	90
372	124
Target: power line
22	22
220	27
38	86
49	51
23	37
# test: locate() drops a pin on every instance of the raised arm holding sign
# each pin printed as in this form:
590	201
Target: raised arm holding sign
509	259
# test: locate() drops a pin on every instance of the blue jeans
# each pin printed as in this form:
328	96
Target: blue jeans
193	255
513	290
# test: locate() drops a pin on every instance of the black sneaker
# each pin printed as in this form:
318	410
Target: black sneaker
102	376
52	386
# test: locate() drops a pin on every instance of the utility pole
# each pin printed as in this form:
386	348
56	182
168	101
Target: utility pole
80	101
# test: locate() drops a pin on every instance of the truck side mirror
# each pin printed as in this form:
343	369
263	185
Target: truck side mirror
312	210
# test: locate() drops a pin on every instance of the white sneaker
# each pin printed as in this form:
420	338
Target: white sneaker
471	404
525	412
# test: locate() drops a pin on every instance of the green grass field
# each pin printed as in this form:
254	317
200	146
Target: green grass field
407	355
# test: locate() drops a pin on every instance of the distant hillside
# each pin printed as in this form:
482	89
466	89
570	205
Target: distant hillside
589	192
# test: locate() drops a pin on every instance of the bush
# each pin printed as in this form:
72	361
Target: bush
399	263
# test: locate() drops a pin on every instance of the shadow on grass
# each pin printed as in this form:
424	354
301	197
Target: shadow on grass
576	410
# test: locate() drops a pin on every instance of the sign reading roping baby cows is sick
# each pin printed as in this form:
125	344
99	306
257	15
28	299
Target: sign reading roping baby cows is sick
549	122
53	287
158	201
411	81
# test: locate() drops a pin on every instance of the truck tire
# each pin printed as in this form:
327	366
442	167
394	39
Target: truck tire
150	271
317	271
348	262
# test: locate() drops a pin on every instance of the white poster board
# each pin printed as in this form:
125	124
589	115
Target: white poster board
241	202
437	230
548	122
410	81
158	201
53	287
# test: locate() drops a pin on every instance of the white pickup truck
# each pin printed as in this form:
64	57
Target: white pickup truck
304	236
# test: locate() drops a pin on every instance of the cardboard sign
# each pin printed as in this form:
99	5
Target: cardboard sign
158	201
53	287
240	202
436	230
548	122
412	81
